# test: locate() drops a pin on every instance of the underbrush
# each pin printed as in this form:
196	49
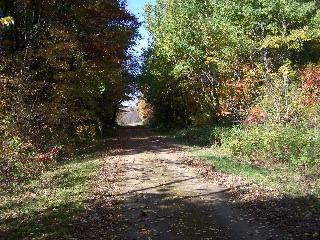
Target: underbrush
199	136
272	172
17	162
281	157
42	208
22	160
296	147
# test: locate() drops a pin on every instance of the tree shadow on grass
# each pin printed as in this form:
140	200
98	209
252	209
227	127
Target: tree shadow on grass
158	214
50	223
43	208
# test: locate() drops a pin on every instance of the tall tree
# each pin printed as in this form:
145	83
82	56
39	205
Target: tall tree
227	54
64	65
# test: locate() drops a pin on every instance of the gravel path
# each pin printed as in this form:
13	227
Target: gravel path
156	195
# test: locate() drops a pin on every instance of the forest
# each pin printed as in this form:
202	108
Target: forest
64	70
238	80
248	69
247	72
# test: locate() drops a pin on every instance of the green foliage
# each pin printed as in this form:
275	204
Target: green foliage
64	68
221	58
296	147
199	136
238	61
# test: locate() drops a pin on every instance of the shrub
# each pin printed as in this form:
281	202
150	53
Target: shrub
297	147
19	160
197	135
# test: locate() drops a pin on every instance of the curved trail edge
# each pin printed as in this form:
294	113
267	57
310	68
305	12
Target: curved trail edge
156	195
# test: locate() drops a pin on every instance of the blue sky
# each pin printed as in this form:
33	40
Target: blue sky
136	7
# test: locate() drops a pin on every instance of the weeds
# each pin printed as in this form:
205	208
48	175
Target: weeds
295	147
43	208
281	158
271	184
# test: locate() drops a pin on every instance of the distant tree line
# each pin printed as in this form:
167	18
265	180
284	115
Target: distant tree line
129	115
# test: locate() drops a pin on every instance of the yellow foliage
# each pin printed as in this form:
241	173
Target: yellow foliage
201	119
145	111
212	59
294	40
86	131
6	21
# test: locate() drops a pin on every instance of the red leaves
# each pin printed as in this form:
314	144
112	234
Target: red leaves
223	113
311	85
94	47
251	119
257	112
47	157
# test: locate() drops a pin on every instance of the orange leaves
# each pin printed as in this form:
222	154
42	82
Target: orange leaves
47	157
224	113
311	85
237	85
257	113
234	96
240	90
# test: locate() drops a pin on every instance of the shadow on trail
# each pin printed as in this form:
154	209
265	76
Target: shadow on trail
157	213
137	139
162	216
161	188
165	216
127	140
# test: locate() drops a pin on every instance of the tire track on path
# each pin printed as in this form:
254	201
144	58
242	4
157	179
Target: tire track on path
161	197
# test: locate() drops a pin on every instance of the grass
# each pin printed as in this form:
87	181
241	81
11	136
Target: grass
42	208
278	176
282	176
282	193
189	137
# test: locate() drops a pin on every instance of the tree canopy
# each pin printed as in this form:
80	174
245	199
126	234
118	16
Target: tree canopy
211	61
64	67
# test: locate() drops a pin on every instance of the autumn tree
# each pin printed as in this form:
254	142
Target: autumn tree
64	66
220	58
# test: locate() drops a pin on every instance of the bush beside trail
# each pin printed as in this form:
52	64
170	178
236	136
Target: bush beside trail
279	156
296	147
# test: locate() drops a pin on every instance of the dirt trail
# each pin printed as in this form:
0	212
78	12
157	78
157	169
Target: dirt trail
157	196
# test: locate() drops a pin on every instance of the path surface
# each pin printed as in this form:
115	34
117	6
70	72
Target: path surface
157	196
